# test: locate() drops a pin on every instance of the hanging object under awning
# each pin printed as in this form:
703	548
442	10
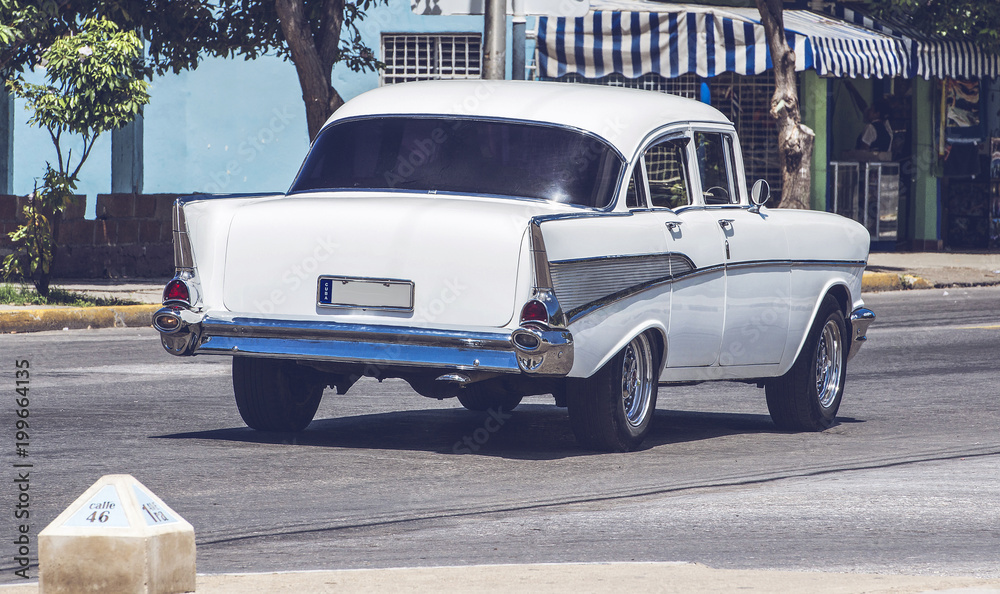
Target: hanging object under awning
633	38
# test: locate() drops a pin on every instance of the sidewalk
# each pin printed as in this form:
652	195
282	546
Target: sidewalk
885	272
889	271
575	578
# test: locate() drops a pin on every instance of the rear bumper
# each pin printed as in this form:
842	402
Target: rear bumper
184	332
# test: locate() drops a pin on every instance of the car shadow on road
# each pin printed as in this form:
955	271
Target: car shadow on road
531	432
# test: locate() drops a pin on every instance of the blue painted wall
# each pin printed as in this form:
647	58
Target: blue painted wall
228	126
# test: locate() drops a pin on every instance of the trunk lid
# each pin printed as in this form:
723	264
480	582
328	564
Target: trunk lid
461	254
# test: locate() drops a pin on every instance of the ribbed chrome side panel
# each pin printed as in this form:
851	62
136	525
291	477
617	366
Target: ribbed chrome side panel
580	282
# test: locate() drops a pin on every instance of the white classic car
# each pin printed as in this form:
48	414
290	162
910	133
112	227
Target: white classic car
492	240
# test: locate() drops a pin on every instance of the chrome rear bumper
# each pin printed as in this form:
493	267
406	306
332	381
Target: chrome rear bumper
861	318
184	332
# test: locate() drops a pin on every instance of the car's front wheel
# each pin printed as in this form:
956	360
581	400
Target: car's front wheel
612	410
808	397
275	394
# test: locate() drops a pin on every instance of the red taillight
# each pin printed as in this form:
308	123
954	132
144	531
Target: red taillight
176	290
534	311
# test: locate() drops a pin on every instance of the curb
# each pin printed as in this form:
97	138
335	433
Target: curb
888	281
135	316
880	281
76	318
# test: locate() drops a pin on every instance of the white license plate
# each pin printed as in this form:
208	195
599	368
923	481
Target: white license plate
365	293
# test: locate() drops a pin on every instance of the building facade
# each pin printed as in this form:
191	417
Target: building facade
236	126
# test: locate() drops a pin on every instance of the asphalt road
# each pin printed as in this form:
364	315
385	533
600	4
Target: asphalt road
906	483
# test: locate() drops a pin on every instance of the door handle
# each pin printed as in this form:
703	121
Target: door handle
673	225
726	223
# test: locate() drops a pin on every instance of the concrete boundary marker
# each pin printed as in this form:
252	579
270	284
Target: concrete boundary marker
76	318
118	537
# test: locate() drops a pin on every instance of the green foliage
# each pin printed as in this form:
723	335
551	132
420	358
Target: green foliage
179	32
253	29
11	294
34	240
975	20
26	28
94	84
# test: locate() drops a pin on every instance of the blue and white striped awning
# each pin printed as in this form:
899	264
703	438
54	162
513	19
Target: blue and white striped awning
931	57
633	38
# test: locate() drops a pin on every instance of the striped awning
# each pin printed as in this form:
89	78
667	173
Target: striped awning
633	38
928	56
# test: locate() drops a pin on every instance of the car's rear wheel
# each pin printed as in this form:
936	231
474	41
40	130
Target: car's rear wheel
613	409
808	397
275	394
488	395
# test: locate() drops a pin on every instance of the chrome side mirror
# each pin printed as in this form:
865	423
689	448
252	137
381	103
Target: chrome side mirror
759	195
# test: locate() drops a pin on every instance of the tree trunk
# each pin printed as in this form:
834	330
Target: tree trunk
314	56
795	140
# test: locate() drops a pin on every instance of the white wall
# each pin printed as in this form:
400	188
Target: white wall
228	126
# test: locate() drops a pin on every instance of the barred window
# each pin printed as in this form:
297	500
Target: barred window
685	85
746	100
431	57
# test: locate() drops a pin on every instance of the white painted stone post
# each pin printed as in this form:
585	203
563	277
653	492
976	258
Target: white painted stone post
118	537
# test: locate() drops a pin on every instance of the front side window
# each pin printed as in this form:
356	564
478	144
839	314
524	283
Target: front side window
506	159
715	169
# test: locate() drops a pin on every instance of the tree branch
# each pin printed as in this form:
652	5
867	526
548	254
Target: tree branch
795	140
314	75
330	31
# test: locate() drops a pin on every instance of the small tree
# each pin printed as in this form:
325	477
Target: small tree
94	85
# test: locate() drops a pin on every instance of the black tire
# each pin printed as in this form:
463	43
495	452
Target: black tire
276	395
613	409
482	396
808	397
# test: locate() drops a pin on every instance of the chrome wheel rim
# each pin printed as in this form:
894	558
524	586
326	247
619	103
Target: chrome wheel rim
637	380
829	363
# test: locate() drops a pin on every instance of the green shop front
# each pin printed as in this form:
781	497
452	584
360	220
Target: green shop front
938	184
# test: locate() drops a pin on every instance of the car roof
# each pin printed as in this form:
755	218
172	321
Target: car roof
624	117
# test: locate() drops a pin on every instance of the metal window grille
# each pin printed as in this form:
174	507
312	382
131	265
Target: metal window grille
746	100
685	85
846	176
881	200
430	57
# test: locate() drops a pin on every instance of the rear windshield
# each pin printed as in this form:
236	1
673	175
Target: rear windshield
462	156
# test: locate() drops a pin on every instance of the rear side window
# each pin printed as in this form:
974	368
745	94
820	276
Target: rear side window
666	170
635	196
